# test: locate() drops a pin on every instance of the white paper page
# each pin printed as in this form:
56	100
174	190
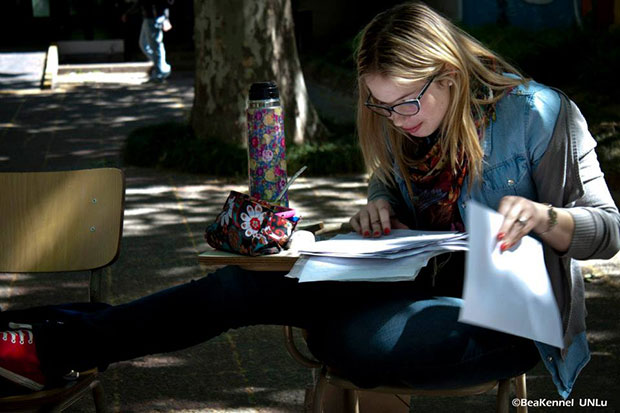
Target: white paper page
443	248
449	246
354	243
310	269
507	291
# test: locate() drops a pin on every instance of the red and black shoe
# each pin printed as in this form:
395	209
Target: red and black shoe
19	362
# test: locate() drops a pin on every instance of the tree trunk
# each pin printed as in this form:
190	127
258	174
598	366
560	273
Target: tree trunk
239	42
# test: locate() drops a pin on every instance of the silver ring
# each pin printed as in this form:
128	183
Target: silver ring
522	220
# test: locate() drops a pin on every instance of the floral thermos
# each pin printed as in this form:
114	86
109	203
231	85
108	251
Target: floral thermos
266	145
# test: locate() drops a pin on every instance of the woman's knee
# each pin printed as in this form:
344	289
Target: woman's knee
415	334
394	332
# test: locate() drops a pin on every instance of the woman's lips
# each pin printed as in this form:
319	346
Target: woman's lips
413	130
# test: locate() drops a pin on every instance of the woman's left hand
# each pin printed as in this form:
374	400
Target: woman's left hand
520	217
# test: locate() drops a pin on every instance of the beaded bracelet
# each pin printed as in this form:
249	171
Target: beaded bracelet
552	218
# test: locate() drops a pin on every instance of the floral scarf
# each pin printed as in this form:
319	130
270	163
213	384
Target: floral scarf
436	188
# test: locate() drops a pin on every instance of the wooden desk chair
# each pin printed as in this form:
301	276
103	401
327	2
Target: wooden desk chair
325	376
61	222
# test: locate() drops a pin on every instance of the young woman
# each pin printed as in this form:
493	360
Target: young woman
441	120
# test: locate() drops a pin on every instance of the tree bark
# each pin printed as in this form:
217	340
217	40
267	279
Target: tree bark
239	42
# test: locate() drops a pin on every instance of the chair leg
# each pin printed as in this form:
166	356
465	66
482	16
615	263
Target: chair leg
98	286
503	394
351	401
319	392
521	388
98	397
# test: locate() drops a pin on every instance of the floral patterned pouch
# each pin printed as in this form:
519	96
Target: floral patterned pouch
251	227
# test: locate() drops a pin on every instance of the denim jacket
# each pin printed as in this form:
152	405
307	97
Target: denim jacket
539	148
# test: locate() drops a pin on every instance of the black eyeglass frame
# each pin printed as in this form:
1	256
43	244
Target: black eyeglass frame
392	109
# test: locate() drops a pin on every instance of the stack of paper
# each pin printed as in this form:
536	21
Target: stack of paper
395	257
507	291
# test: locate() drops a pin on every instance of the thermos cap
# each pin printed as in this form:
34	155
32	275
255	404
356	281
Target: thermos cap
264	91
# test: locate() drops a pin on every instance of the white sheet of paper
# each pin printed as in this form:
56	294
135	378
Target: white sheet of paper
354	244
508	291
447	246
315	268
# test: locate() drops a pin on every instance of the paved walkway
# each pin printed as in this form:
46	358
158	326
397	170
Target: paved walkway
82	125
21	70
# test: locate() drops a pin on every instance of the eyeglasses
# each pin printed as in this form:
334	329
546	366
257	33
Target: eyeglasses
407	108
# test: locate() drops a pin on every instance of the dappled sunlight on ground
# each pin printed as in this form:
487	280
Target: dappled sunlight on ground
157	362
176	272
598	336
331	200
102	77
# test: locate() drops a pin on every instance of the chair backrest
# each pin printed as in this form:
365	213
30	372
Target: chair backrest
60	221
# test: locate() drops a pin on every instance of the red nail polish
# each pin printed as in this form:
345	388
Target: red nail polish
504	246
386	231
376	233
366	233
501	235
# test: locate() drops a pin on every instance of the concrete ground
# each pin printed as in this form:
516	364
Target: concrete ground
83	124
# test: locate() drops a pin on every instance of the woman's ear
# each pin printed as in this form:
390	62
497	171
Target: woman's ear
450	74
447	81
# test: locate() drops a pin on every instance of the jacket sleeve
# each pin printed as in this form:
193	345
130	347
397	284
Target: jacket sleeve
570	163
391	193
380	190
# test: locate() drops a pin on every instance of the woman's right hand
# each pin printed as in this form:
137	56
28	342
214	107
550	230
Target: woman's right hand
375	218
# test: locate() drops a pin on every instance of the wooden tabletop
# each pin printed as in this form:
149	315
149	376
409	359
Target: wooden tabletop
282	261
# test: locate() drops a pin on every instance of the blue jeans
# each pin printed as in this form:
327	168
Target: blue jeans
373	333
152	44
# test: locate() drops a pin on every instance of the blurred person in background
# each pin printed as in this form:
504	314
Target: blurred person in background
155	21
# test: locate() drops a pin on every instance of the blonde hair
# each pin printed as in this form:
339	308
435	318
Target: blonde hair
411	42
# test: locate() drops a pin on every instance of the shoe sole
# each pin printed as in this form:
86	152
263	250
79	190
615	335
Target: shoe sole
21	380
